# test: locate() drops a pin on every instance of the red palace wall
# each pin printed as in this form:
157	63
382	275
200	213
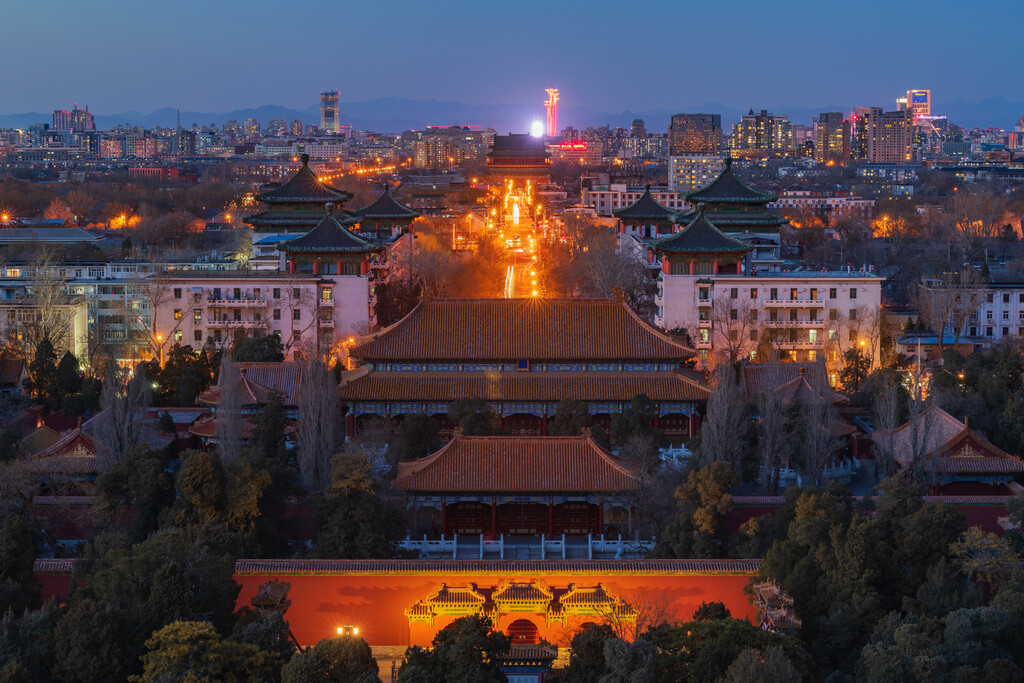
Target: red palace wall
373	595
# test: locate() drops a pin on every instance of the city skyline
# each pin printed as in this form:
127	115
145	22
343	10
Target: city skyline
165	72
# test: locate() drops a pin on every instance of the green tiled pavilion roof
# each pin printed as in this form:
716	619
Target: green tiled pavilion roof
386	206
728	188
305	186
645	207
700	235
329	236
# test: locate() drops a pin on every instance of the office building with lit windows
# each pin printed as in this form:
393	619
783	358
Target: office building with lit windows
889	136
763	135
832	139
330	118
699	134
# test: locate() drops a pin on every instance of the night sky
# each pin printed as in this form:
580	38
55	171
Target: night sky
606	55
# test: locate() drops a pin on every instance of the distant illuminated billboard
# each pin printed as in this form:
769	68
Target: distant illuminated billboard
919	96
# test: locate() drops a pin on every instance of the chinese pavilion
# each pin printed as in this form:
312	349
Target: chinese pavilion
955	459
297	206
386	218
646	217
701	249
740	211
255	385
523	356
330	248
521	485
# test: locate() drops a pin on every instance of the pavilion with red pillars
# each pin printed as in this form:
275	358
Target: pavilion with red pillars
330	249
495	485
523	356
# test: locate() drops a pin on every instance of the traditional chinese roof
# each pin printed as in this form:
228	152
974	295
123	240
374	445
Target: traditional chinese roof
519	596
938	442
501	464
727	188
521	329
647	207
800	389
701	235
521	653
301	220
304	186
38	440
758	378
206	428
257	382
329	236
736	221
361	385
75	454
11	370
387	207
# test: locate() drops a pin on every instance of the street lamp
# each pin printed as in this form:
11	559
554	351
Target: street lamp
348	630
160	346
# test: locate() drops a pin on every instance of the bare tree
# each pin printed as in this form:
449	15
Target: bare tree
772	439
976	217
721	434
886	415
949	301
820	443
732	323
229	410
319	413
125	395
53	315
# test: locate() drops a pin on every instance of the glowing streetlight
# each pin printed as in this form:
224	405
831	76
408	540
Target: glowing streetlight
348	630
537	129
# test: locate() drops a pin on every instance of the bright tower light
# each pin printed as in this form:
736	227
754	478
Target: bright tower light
537	129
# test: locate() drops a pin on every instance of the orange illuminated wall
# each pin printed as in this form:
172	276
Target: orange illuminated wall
375	595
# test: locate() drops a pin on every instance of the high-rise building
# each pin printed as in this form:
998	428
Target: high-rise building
251	128
637	129
232	130
445	148
330	118
832	139
889	136
277	128
295	128
763	135
551	104
688	172
81	119
859	132
918	103
61	119
695	134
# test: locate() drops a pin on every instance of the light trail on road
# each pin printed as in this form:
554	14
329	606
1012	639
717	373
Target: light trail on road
510	282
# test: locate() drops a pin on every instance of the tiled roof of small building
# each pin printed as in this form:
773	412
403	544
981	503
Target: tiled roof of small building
11	369
304	186
73	454
701	235
329	236
501	464
645	207
257	381
938	442
386	206
360	385
728	188
521	329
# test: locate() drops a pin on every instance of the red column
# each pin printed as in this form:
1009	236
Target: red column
444	517
350	425
666	267
692	426
364	267
337	267
657	420
494	518
291	267
630	520
544	425
551	518
716	266
691	266
316	266
600	517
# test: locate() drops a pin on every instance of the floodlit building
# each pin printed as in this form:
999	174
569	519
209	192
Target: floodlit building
330	120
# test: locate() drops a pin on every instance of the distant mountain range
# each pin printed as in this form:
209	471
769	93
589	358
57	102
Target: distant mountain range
396	114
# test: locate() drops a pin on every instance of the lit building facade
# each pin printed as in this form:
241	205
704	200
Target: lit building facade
763	135
330	117
889	137
699	134
832	139
687	172
608	199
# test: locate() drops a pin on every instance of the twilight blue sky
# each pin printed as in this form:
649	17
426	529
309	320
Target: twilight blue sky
220	55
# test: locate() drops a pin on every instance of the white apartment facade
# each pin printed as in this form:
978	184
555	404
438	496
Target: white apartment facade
608	198
688	172
799	316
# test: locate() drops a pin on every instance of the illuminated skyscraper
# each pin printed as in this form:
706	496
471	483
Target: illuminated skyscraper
695	134
295	128
889	136
919	103
61	119
762	136
551	104
329	116
832	139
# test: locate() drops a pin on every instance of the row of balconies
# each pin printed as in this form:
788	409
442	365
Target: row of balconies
231	322
773	323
